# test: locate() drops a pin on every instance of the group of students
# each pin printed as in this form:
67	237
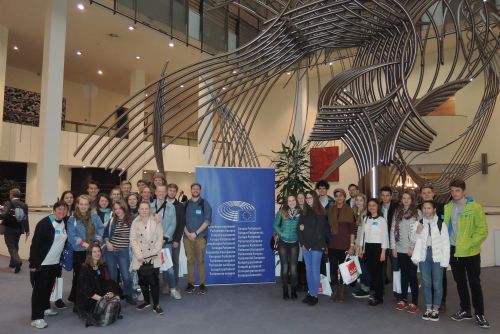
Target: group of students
406	235
110	239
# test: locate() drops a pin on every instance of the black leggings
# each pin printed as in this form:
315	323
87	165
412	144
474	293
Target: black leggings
150	283
408	277
289	255
372	255
336	257
78	260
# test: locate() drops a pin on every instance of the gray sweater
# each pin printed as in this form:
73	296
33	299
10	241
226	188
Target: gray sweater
407	234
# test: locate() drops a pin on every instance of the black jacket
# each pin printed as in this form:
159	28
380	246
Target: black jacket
180	220
41	243
12	225
91	282
390	214
314	234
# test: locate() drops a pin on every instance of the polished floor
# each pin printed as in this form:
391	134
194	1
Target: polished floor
246	309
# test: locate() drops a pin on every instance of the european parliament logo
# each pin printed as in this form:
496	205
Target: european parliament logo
237	211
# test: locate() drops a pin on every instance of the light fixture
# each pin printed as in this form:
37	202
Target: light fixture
100	72
131	28
288	73
234	72
78	53
146	95
182	86
171	44
223	88
80	6
144	172
138	57
16	48
84	166
330	63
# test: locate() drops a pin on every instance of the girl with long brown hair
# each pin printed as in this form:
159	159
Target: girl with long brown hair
82	232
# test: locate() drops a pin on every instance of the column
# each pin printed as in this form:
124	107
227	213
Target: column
137	82
4	39
299	124
47	171
205	125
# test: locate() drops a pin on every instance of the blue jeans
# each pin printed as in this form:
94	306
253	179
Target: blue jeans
432	274
169	275
120	260
312	258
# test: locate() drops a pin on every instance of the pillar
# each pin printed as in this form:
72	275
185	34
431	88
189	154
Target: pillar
4	39
205	125
47	171
301	100
137	82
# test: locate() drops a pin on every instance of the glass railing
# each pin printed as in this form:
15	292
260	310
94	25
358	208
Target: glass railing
197	23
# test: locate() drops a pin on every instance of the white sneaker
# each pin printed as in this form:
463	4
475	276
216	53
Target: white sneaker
50	312
175	294
39	323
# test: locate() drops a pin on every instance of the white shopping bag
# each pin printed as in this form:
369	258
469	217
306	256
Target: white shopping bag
349	270
327	268
301	255
324	286
57	290
166	260
396	281
277	265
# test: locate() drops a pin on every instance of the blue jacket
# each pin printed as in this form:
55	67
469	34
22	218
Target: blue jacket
77	232
168	226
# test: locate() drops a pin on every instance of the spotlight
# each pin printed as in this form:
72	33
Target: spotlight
288	73
138	57
16	48
131	28
171	44
78	53
80	6
182	86
330	63
100	72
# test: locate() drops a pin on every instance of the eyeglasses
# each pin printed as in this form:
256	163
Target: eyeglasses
310	197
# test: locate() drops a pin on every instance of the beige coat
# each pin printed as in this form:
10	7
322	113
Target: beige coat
142	247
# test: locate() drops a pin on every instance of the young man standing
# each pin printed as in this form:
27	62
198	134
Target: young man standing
468	229
388	208
427	194
125	188
353	192
322	187
92	190
172	189
15	219
198	217
167	213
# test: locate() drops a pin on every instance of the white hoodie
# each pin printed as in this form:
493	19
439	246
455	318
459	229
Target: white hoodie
440	243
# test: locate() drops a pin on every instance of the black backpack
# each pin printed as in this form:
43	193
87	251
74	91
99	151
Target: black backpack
13	216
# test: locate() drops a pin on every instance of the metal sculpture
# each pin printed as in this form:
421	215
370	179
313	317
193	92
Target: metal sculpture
370	106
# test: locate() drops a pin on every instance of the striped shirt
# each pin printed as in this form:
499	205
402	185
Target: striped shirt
121	235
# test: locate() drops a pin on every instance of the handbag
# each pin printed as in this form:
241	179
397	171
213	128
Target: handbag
349	270
57	290
166	260
146	269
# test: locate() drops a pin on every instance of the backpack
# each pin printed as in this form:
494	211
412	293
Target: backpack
14	217
107	311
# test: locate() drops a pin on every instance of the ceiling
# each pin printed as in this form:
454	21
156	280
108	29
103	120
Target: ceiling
104	39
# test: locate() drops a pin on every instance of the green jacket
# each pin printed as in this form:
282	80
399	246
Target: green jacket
472	228
286	228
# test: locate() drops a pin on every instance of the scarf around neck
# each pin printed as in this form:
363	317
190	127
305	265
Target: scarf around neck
400	215
293	214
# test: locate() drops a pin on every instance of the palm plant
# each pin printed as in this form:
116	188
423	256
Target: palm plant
292	169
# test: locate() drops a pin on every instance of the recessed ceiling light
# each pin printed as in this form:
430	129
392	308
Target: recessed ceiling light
146	95
144	172
131	28
78	53
100	72
138	57
330	63
182	86
223	88
16	48
80	6
288	73
171	44
234	72
84	166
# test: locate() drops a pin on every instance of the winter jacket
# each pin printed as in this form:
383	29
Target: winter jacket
313	237
440	242
77	233
286	228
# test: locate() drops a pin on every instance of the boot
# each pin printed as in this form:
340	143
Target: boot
340	295
294	292
285	292
333	297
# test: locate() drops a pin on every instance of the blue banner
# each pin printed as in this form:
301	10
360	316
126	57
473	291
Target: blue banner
242	201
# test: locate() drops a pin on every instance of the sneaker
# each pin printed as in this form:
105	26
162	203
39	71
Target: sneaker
60	304
461	315
143	306
39	323
49	312
401	306
202	289
189	289
412	308
434	316
175	294
313	301
158	310
375	302
18	268
427	315
130	300
307	299
361	294
481	321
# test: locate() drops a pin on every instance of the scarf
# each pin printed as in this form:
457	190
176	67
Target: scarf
337	216
293	214
400	215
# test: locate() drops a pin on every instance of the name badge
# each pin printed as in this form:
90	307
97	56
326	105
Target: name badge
58	232
198	211
375	223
